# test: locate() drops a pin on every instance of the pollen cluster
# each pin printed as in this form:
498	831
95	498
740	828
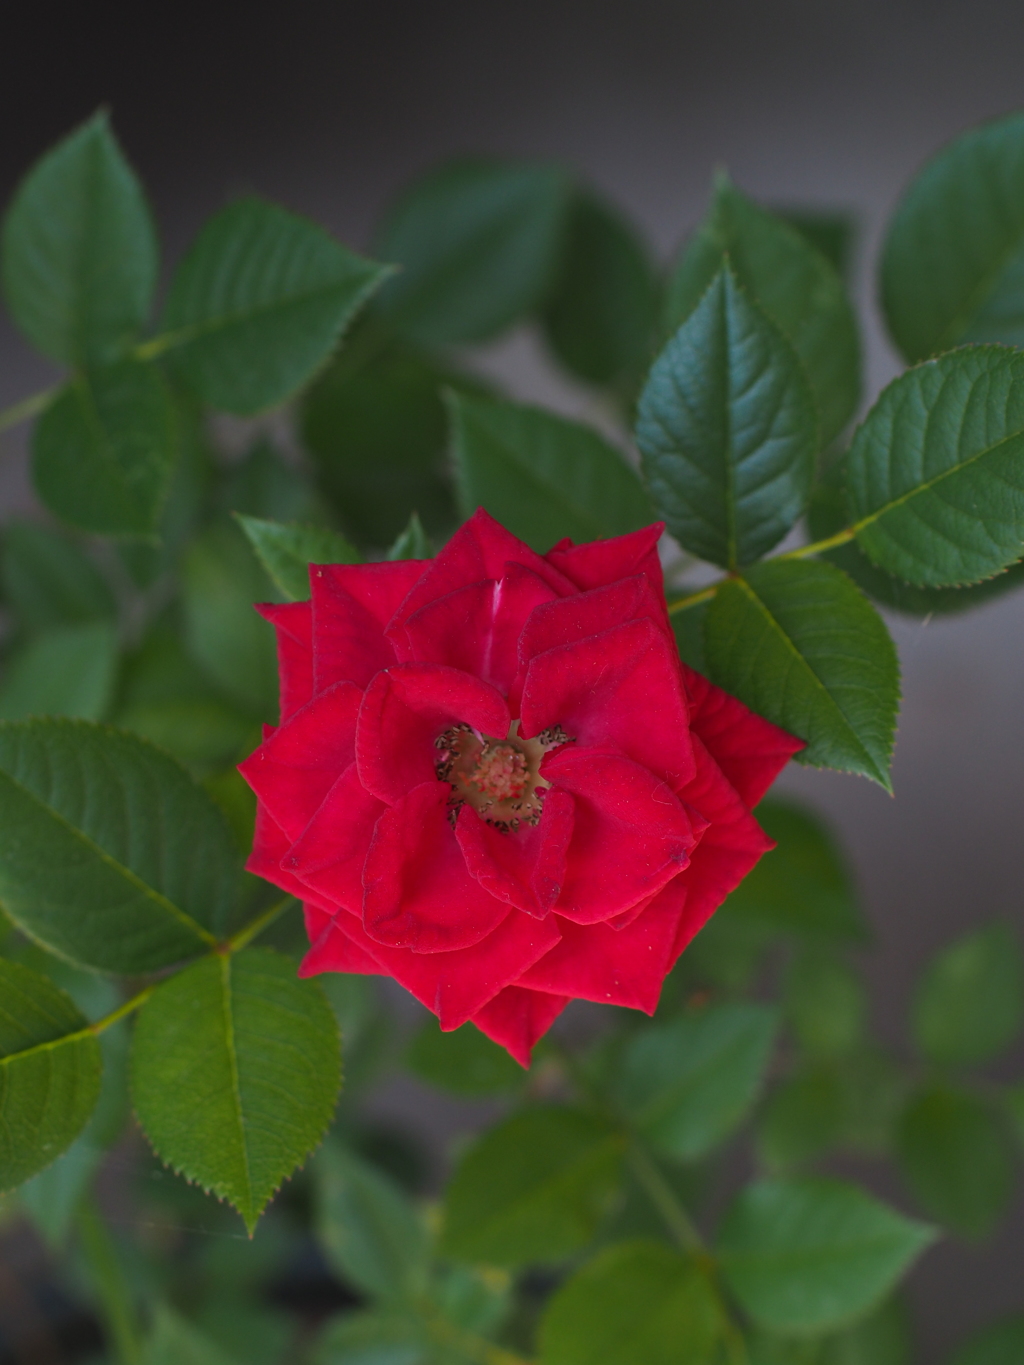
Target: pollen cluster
499	778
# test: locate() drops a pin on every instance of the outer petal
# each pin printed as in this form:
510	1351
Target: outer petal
603	561
750	750
352	603
333	952
516	1018
623	688
293	624
631	834
294	769
328	857
270	846
417	891
405	709
525	868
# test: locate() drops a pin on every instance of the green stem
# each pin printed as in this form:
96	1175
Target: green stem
249	931
695	598
664	1199
28	407
115	1297
122	1011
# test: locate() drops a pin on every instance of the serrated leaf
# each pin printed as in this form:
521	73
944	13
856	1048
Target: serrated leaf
935	473
286	552
463	1061
50	1069
109	854
638	1303
793	282
176	1342
48	581
236	1066
542	476
257	304
477	241
80	254
412	543
103	452
797	642
808	1255
728	429
66	671
956	1155
970	1003
532	1189
688	1084
1000	1344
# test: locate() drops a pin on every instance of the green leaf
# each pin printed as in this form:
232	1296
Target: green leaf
375	1339
884	1338
412	543
970	1004
808	1255
600	314
109	854
532	1189
49	1073
258	303
67	671
1000	1344
688	1084
935	474
832	234
286	552
802	1118
825	1004
794	283
267	484
542	476
728	429
956	1154
464	1061
478	243
235	1073
176	1342
48	581
367	1226
638	1303
80	254
953	262
103	452
797	642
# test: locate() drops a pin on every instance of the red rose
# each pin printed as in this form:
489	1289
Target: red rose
495	782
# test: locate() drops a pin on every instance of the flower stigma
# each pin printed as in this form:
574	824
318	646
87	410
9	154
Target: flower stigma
499	778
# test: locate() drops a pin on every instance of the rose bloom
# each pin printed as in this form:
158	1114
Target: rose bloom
495	781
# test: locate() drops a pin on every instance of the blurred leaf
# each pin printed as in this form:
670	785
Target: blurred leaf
80	255
264	484
235	1074
412	543
65	671
258	303
882	1339
286	552
48	581
463	1061
797	642
542	476
532	1189
478	242
802	1119
688	1084
176	1342
1000	1344
874	1092
832	234
103	452
728	429
725	954
808	1254
956	1155
1013	1098
50	1069
109	854
374	1339
970	1003
638	1303
825	1004
475	1299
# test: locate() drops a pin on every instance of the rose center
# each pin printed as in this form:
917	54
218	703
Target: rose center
499	778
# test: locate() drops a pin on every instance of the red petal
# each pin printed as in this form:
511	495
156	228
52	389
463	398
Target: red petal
333	952
603	561
417	891
328	858
516	1018
293	624
525	867
622	687
567	620
270	844
294	769
750	750
405	709
352	603
631	834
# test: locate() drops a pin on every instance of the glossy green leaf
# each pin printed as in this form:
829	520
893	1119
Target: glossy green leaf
810	1255
463	1061
66	671
103	452
970	1003
80	254
728	429
50	1069
802	1118
532	1189
48	581
478	242
956	1155
176	1342
638	1303
935	474
797	642
109	854
686	1085
412	543
286	552
258	303
367	1226
793	282
825	1004
236	1066
542	476
1000	1344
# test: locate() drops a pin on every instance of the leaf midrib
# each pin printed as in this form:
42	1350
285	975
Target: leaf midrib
236	1089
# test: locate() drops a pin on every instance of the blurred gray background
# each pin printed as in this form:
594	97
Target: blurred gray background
330	107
